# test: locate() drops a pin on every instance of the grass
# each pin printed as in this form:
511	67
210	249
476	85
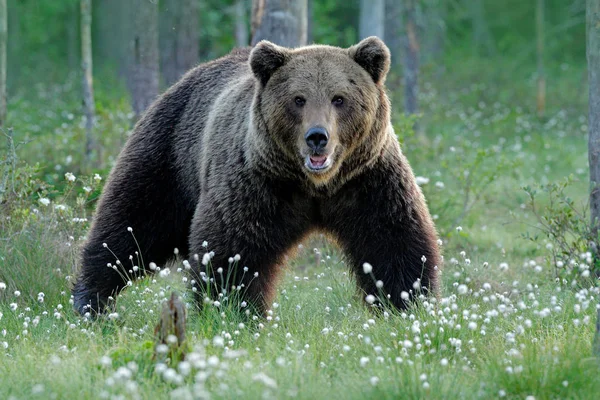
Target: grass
504	327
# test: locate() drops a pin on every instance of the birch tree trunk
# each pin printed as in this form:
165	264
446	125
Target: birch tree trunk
310	10
3	41
411	59
541	79
593	60
372	18
241	27
283	22
88	80
143	74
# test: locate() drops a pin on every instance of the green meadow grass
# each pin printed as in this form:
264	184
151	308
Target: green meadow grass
503	327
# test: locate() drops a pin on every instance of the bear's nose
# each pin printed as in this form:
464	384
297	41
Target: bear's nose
316	138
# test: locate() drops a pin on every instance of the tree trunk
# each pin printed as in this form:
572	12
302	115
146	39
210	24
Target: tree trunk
283	22
393	30
143	70
3	41
179	39
372	21
258	9
241	28
411	59
88	80
310	9
593	59
541	80
13	46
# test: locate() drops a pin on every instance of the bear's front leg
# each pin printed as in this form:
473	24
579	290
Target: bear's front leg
248	232
381	218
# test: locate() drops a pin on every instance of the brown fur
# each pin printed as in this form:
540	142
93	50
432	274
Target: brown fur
221	157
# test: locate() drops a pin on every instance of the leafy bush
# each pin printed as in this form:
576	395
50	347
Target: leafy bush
565	229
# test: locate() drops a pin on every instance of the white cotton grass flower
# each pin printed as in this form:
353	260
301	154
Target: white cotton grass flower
2	286
367	268
421	180
370	299
417	284
44	201
265	380
162	349
106	361
205	259
218	341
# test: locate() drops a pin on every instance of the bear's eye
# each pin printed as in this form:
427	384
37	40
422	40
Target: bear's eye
299	101
337	101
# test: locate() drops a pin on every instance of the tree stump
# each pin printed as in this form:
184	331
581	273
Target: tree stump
170	331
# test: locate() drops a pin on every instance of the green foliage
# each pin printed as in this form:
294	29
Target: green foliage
335	23
566	229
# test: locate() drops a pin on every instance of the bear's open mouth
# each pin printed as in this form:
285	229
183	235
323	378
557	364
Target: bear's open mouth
317	162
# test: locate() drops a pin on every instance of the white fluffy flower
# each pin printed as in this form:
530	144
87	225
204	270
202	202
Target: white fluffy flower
421	180
70	177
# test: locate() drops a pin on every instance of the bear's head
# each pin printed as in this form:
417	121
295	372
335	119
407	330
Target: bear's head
324	107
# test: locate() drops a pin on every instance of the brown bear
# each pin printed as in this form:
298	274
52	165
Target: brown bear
249	154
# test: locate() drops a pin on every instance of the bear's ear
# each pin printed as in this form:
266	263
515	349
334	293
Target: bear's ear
374	56
265	58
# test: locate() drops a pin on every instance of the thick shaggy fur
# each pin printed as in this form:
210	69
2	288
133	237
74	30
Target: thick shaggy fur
221	157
